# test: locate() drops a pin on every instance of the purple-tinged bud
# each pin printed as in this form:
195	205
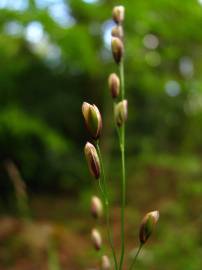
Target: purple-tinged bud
117	31
117	49
147	226
92	160
106	265
96	207
96	239
121	112
118	13
93	119
114	85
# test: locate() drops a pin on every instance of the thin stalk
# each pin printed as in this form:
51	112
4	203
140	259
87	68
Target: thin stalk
122	148
106	203
101	189
123	194
53	260
20	189
121	72
135	258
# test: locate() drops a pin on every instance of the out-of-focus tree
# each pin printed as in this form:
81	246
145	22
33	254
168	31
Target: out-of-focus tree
56	53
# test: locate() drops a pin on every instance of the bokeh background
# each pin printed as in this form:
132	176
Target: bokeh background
55	54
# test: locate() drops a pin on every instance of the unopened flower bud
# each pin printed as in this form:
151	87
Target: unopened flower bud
93	119
96	207
147	226
121	112
92	160
114	85
96	239
117	49
106	265
117	31
118	14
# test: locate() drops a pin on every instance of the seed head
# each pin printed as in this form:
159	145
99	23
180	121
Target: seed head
93	119
117	49
147	226
121	112
117	31
96	239
118	13
114	85
106	265
96	207
92	160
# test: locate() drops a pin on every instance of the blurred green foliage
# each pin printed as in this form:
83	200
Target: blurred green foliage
55	54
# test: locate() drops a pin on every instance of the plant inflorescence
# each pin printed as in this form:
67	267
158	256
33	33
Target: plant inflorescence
93	121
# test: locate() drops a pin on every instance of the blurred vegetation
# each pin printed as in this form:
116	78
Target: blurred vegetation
55	54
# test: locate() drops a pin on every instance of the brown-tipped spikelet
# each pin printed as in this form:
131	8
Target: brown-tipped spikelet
96	207
121	112
106	265
96	239
118	13
114	85
117	31
117	49
147	226
92	160
93	119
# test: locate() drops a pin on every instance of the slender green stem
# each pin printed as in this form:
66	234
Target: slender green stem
102	172
121	72
135	258
123	191
123	195
106	203
101	189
